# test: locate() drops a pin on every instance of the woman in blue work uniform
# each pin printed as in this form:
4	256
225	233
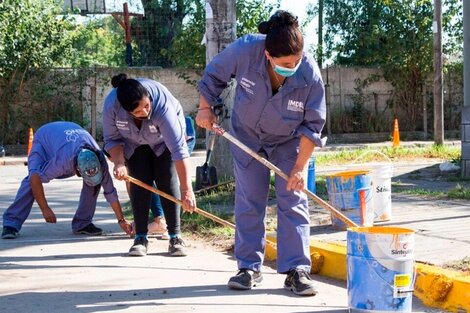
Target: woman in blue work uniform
62	150
144	129
279	112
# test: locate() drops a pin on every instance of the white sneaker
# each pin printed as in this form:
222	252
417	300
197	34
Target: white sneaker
159	227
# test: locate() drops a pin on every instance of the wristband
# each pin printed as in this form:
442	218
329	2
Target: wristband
121	220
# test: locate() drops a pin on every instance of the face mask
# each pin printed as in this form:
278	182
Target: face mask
143	118
285	71
146	117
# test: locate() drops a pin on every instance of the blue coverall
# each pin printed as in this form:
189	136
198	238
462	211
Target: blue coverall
53	155
270	125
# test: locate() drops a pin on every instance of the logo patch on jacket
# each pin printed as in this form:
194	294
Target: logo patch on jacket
247	85
122	125
296	106
153	129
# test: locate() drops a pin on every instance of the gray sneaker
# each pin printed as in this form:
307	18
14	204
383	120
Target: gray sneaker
300	283
139	248
9	232
245	279
177	247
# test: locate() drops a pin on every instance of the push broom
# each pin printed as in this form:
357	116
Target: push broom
220	131
197	210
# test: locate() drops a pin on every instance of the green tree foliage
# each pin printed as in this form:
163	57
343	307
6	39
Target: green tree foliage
31	36
155	31
252	12
393	35
186	49
98	41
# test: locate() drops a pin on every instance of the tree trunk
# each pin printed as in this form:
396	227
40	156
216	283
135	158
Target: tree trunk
220	32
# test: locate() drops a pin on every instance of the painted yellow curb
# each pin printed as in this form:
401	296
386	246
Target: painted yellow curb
445	289
436	287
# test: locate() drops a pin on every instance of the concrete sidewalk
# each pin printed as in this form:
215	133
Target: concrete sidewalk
49	269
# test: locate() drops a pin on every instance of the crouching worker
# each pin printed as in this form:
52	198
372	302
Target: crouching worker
62	150
144	133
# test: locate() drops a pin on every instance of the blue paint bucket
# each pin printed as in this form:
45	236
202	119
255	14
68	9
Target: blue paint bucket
350	193
380	269
311	175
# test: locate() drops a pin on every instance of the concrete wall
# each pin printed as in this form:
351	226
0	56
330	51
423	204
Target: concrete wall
341	85
171	78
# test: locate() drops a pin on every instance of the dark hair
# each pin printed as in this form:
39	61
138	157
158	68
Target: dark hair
283	36
129	91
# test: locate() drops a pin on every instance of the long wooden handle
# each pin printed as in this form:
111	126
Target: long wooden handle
219	130
178	201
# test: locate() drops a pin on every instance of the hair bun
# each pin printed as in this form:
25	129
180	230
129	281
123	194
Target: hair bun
264	27
283	18
117	80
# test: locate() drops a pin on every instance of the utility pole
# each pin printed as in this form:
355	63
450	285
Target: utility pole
465	129
320	34
438	94
221	27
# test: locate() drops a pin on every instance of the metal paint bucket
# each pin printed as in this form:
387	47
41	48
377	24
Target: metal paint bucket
380	269
350	193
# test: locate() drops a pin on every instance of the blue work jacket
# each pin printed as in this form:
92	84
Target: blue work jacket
259	118
165	128
54	152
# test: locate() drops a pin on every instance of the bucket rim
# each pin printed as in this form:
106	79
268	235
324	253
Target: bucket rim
385	230
349	173
372	164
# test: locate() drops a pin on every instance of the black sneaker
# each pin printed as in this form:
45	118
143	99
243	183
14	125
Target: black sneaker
299	282
139	248
90	230
245	279
9	232
177	247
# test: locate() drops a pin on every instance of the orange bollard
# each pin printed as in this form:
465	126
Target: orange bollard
30	140
396	134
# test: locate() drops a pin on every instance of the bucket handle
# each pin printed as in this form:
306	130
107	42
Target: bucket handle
371	151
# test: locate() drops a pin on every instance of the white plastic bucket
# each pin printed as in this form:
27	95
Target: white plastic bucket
380	269
381	175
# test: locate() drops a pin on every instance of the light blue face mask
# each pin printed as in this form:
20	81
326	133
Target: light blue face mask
285	71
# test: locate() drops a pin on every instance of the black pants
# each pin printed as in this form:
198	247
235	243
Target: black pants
145	166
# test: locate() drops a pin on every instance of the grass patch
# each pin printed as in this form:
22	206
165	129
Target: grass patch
417	191
215	202
459	192
367	154
196	223
219	202
127	211
460	265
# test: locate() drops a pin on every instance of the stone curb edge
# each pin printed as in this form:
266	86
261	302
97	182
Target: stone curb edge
15	161
435	286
